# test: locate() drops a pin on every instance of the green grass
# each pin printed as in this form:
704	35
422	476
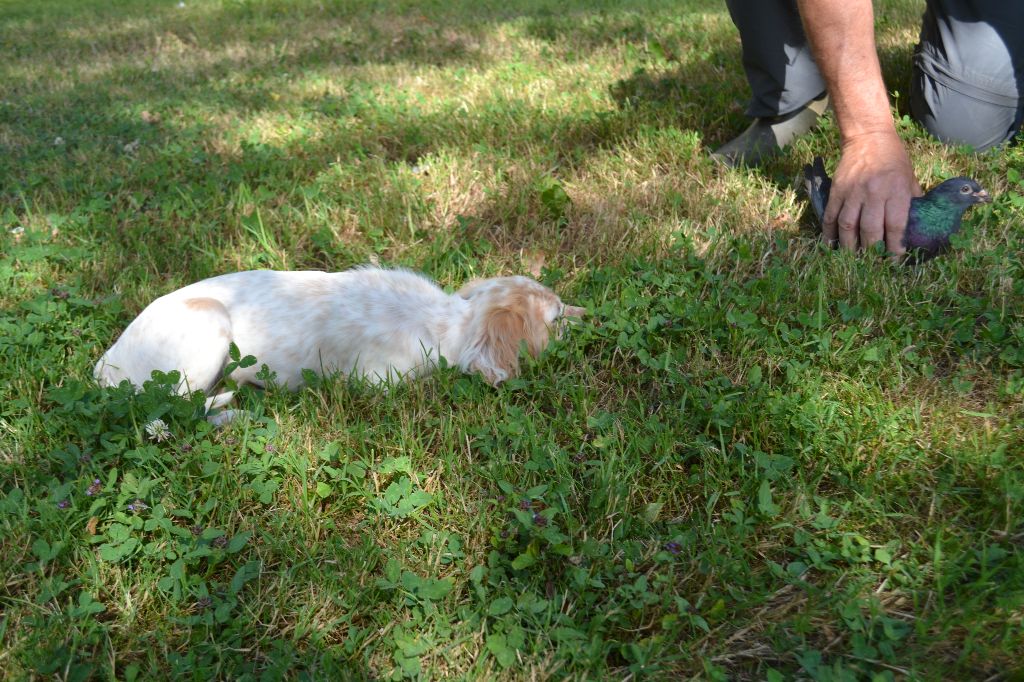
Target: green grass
757	459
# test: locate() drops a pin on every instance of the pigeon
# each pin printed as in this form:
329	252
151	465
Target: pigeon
932	219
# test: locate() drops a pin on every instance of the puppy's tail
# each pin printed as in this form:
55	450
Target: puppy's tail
818	185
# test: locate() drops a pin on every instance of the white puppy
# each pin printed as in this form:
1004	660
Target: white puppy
370	322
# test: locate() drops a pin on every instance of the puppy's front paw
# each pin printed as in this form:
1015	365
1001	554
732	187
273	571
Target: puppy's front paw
225	417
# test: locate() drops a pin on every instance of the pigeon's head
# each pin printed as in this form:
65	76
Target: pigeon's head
962	192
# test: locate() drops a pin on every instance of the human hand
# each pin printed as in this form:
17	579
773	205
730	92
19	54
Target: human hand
871	191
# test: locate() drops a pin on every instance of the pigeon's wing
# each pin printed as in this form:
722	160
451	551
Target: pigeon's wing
923	239
818	186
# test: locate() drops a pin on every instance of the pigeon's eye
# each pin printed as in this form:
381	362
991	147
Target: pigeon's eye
966	189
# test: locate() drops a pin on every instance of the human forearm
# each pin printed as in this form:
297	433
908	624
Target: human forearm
842	38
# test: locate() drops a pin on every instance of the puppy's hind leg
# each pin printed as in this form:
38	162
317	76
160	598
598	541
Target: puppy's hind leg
196	339
209	344
206	348
191	336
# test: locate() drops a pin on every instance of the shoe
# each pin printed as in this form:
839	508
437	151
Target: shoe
767	136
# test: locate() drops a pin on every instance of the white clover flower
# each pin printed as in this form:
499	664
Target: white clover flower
58	141
158	431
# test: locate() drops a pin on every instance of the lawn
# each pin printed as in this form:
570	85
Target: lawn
755	459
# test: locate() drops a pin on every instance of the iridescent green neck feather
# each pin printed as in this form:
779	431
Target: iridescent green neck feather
937	215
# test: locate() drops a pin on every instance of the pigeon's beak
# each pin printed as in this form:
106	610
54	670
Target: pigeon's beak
983	197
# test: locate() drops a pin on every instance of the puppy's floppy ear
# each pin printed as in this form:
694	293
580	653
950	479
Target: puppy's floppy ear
503	328
501	331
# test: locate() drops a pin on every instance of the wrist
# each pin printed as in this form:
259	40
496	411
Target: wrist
872	133
870	136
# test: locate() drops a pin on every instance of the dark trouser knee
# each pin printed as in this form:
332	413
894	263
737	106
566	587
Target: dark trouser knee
960	118
776	57
967	86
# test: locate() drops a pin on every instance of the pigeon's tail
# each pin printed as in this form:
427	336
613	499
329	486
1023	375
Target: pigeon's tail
818	185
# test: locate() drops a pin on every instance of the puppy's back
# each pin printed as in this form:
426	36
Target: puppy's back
289	320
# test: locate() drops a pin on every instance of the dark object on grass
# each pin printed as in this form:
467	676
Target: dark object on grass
933	218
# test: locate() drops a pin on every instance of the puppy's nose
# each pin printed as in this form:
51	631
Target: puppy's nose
574	311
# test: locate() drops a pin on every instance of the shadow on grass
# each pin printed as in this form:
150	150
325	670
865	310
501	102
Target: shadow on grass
94	144
133	142
234	650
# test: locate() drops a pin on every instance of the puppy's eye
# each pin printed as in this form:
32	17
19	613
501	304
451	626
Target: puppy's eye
966	189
